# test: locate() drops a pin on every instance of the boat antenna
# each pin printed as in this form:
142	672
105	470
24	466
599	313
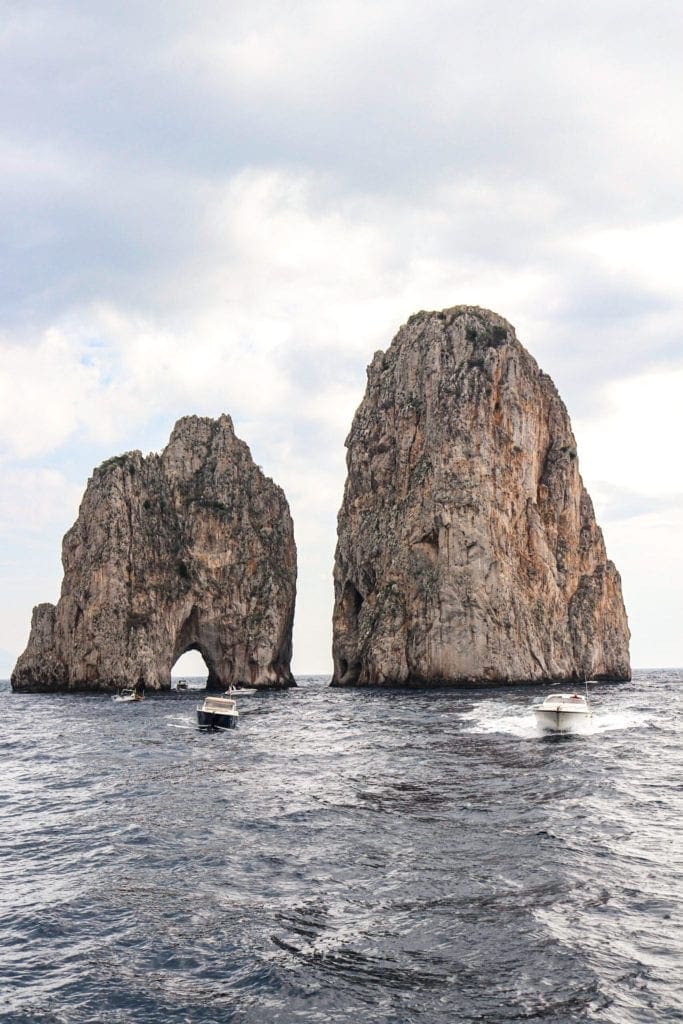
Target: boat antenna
585	683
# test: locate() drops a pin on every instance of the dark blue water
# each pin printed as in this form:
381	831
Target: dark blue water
342	856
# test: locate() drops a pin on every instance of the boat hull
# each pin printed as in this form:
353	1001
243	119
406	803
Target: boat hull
560	720
216	720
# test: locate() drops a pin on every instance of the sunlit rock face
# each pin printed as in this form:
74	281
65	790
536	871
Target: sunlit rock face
468	550
192	549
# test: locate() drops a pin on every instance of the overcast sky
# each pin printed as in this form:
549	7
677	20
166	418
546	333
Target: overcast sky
229	206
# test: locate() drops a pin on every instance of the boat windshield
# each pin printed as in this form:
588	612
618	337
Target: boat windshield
219	704
552	697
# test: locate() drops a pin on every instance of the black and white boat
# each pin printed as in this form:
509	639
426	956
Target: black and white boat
217	713
564	712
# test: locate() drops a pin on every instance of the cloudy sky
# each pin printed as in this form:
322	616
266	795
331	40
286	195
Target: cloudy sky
229	206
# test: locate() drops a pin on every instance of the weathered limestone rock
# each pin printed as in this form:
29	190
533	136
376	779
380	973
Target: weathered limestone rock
468	550
192	549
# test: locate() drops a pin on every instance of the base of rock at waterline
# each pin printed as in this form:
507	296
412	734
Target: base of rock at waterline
472	683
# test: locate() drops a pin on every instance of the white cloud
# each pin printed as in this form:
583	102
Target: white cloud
650	253
648	553
42	388
635	441
36	498
630	462
282	274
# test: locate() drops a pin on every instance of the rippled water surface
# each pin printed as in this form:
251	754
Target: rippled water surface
342	856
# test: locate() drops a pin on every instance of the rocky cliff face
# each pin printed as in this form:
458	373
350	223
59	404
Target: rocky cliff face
192	549
468	550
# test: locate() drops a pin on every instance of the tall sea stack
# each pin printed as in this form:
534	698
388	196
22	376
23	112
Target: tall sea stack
468	551
192	549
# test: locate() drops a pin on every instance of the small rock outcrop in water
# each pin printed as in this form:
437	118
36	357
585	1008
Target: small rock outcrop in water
192	549
468	550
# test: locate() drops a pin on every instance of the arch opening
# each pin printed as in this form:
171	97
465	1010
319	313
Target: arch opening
206	666
190	668
196	639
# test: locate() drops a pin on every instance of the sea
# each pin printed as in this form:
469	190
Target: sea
343	856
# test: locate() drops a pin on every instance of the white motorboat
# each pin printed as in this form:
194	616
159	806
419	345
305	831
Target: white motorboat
564	712
217	713
240	691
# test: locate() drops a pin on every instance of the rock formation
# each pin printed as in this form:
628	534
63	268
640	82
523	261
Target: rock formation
192	549
468	550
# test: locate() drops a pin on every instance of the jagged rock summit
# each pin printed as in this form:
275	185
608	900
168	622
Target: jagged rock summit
192	549
468	550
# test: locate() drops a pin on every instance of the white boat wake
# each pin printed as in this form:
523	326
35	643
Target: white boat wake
493	717
184	721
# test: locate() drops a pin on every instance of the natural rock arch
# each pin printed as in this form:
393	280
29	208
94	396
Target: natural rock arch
191	637
189	549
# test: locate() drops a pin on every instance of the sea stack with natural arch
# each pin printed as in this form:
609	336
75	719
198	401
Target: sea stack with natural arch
192	549
468	551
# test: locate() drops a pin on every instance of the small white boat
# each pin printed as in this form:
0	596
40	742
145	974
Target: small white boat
563	712
217	713
128	697
240	691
